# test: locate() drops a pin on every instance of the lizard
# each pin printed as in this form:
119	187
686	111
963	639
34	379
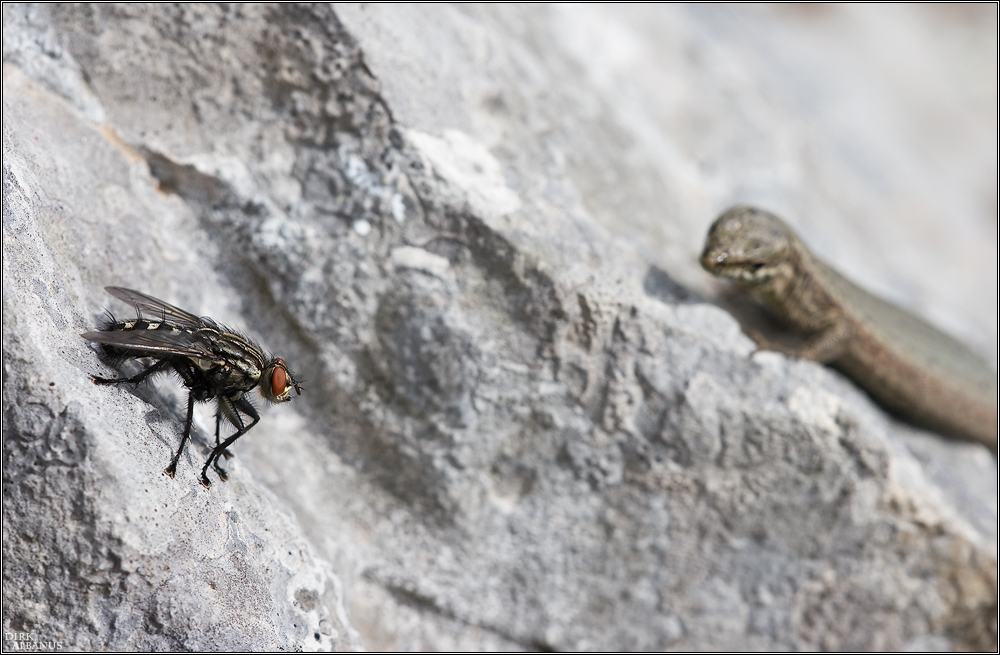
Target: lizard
910	367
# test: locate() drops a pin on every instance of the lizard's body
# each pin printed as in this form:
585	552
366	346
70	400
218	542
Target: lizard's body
910	367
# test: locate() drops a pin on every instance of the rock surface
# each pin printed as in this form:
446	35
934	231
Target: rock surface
473	234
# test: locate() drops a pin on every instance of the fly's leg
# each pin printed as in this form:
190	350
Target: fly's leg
231	409
228	455
172	469
218	415
135	379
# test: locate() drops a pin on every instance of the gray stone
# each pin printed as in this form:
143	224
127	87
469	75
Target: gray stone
472	233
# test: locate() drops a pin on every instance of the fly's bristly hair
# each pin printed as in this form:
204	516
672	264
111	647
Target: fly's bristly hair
213	361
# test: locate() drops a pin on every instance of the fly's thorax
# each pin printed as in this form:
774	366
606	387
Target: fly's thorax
239	352
236	365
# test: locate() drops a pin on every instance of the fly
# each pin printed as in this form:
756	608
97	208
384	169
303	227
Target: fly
213	361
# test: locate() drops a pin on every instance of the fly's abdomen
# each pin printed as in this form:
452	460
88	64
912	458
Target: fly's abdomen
136	338
139	325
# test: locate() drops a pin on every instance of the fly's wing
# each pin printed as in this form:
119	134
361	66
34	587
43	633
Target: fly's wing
154	308
157	343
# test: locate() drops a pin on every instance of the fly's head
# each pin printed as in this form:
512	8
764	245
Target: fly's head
749	245
277	382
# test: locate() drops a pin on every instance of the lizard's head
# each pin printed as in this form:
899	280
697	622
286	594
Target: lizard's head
749	245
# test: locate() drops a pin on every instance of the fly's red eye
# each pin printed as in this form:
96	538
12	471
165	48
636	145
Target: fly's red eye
279	379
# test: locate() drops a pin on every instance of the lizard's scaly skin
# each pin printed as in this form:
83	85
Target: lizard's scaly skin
907	365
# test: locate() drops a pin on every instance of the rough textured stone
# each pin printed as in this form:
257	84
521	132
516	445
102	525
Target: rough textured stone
472	233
